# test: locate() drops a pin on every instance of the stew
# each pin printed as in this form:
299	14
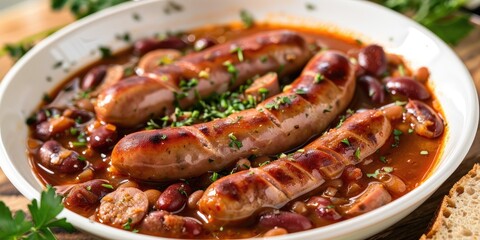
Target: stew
235	132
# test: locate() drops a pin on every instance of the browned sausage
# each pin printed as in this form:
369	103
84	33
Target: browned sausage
240	195
124	207
217	69
279	123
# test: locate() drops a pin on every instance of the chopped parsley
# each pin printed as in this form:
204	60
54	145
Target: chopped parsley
151	124
264	58
396	137
239	52
345	141
357	153
318	78
127	226
105	52
214	177
234	141
232	70
247	18
82	158
378	171
300	91
109	186
278	101
58	64
383	159
264	163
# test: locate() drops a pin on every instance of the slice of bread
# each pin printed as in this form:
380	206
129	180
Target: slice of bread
459	214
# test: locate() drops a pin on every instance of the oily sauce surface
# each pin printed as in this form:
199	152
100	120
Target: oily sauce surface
401	153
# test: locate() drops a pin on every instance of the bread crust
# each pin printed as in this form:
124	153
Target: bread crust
463	198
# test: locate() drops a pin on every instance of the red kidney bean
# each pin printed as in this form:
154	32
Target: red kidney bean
334	66
204	43
146	45
55	157
102	137
408	87
80	116
323	208
373	87
163	222
52	127
372	58
426	121
293	222
93	77
316	202
352	173
87	194
174	198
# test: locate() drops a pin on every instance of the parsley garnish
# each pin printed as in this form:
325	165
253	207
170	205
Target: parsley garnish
378	171
43	213
440	16
318	78
151	124
232	70
127	226
105	52
247	18
239	52
264	163
109	186
234	141
357	153
396	137
214	177
345	141
300	91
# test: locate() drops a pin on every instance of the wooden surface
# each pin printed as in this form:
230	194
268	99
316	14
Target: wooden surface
34	16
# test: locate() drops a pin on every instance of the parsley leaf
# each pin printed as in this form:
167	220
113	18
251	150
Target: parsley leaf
440	16
43	218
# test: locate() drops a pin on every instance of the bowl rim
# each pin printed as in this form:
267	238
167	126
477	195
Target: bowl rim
420	193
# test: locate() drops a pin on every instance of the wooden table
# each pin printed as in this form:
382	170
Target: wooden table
18	23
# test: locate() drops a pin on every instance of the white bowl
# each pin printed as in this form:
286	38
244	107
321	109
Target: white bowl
22	89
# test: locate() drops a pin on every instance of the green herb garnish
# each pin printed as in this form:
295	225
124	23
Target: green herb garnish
17	226
234	141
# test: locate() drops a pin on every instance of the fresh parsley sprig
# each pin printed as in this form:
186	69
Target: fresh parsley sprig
18	226
82	8
443	17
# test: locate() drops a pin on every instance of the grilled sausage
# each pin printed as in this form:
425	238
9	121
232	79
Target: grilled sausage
217	69
240	195
279	123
